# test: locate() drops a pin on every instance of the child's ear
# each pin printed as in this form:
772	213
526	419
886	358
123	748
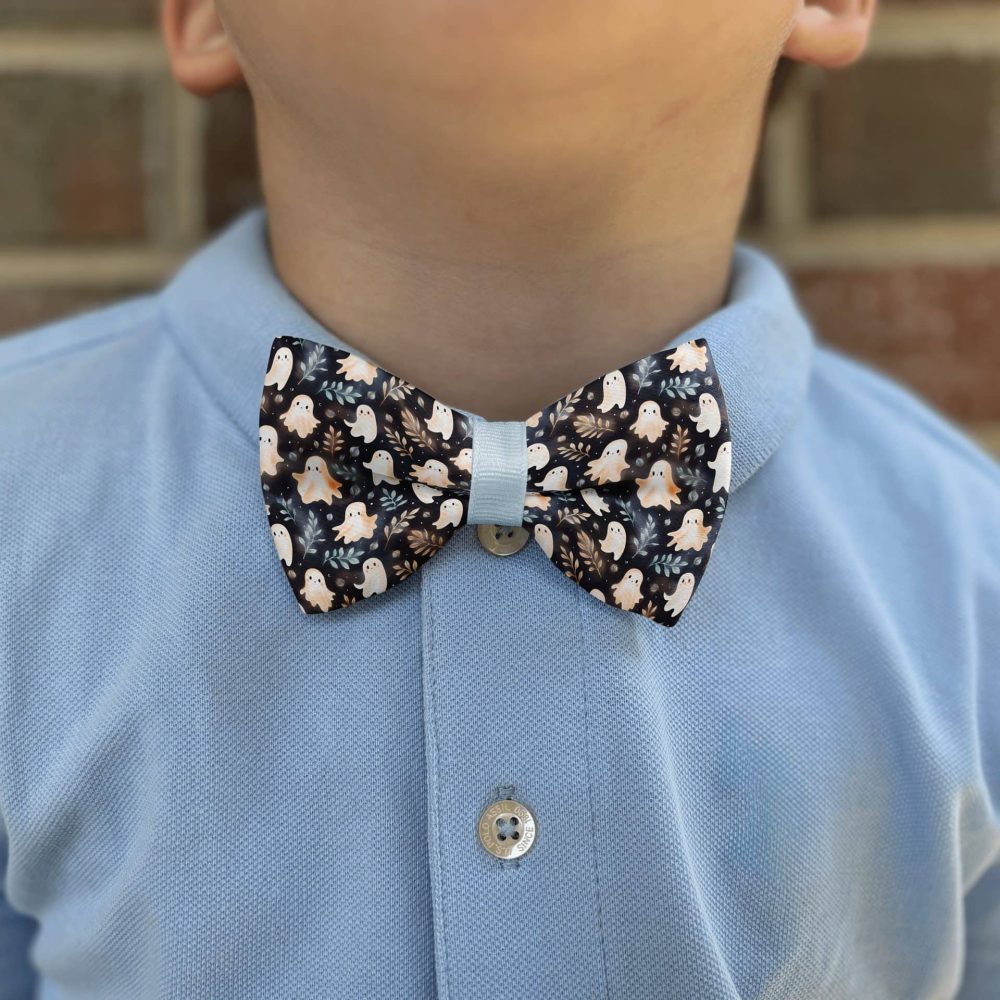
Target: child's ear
201	56
830	33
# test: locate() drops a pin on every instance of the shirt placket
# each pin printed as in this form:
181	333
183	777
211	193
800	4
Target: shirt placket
506	718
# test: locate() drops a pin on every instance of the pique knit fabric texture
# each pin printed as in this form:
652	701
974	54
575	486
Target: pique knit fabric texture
792	794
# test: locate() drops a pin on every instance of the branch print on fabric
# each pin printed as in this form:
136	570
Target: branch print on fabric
365	477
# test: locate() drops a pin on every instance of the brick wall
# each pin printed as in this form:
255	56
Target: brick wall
878	186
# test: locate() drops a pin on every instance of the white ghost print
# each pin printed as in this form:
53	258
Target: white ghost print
433	473
649	422
543	535
381	468
658	489
425	494
364	425
689	357
357	523
270	458
375	581
614	392
463	460
628	590
611	464
539	500
599	594
678	600
315	481
614	540
441	422
283	543
708	418
299	417
692	534
315	590
532	421
357	369
723	465
594	501
281	368
538	456
449	513
554	480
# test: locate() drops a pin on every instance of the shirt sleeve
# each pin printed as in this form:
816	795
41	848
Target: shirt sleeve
17	976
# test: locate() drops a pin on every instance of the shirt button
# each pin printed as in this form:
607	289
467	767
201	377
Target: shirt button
507	829
502	539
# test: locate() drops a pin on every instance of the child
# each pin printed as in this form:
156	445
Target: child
288	708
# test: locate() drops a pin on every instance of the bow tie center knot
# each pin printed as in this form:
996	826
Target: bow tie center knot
499	472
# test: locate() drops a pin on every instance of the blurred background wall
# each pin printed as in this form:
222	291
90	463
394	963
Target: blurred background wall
878	186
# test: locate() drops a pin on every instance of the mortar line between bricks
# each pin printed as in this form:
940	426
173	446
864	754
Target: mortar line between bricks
87	267
187	166
874	241
785	166
964	30
90	52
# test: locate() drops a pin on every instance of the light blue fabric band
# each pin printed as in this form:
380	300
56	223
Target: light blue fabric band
499	472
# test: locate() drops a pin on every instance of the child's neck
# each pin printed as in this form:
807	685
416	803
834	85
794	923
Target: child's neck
500	297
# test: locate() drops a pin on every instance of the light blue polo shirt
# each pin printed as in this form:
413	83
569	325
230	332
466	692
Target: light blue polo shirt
204	793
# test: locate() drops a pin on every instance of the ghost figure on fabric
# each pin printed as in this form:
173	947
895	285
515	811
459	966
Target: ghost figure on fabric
543	535
723	466
628	590
374	579
708	419
280	370
315	481
283	543
433	473
425	493
299	418
538	456
692	534
381	467
357	523
689	357
270	458
554	480
356	369
450	513
594	501
613	387
658	489
676	602
315	590
611	464
538	501
442	420
364	424
649	422
614	540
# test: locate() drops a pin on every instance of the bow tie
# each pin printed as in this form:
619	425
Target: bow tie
623	483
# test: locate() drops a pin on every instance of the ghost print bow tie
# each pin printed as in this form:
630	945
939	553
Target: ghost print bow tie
365	477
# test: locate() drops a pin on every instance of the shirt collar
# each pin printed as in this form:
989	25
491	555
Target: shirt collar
227	304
